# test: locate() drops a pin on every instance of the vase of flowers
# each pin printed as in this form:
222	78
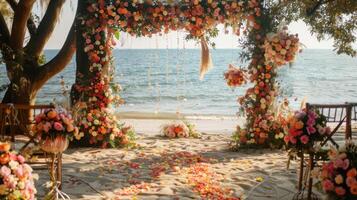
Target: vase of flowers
54	128
338	176
16	178
304	128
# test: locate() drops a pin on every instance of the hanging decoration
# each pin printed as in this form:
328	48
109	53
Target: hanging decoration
235	76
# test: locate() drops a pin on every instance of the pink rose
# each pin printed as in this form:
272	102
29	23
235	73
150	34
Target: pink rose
327	185
338	163
311	130
47	126
328	130
58	126
20	172
346	164
293	140
304	139
21	159
5	171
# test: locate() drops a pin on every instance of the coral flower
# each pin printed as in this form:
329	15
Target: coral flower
340	191
353	189
58	126
352	172
350	181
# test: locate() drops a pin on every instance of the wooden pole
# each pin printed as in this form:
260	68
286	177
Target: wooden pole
59	170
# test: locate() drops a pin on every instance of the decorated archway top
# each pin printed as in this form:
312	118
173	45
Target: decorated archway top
198	17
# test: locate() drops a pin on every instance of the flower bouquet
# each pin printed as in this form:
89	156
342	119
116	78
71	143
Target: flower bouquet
339	175
54	128
304	129
281	48
234	76
101	127
176	130
16	178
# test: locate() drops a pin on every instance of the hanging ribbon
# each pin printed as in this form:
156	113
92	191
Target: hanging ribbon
206	61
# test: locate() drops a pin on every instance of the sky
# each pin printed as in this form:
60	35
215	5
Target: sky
223	41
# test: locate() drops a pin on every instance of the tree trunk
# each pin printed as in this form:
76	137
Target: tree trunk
83	75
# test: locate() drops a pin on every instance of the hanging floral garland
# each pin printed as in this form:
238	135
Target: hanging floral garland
105	19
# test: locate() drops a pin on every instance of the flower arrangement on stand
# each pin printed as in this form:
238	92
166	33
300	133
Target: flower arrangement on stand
54	128
304	129
16	177
103	128
339	175
234	76
181	129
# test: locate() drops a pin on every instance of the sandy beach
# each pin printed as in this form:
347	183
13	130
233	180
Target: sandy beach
162	168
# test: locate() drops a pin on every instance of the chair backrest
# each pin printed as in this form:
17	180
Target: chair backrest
354	111
332	112
19	115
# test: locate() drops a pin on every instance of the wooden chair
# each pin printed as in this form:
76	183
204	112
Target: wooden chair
16	122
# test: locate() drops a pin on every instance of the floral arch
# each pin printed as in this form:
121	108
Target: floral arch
102	21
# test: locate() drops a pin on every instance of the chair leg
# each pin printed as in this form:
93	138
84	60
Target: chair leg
301	174
311	167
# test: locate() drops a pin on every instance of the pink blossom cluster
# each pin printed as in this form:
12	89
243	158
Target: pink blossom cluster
305	128
16	178
339	175
53	123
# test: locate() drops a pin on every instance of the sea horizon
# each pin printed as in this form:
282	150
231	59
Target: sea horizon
160	81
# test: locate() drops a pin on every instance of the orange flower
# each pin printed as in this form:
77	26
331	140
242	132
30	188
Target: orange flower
352	172
5	147
178	129
299	125
353	189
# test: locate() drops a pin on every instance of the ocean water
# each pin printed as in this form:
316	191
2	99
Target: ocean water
167	81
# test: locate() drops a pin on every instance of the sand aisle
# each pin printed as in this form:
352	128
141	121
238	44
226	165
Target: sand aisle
176	169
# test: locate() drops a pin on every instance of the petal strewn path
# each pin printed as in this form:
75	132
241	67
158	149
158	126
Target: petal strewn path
177	169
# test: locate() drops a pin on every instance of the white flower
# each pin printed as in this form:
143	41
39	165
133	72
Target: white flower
13	164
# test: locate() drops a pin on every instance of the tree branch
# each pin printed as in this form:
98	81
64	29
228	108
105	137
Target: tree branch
21	15
45	29
31	26
4	30
59	62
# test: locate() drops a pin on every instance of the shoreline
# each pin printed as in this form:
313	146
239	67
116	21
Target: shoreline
174	116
